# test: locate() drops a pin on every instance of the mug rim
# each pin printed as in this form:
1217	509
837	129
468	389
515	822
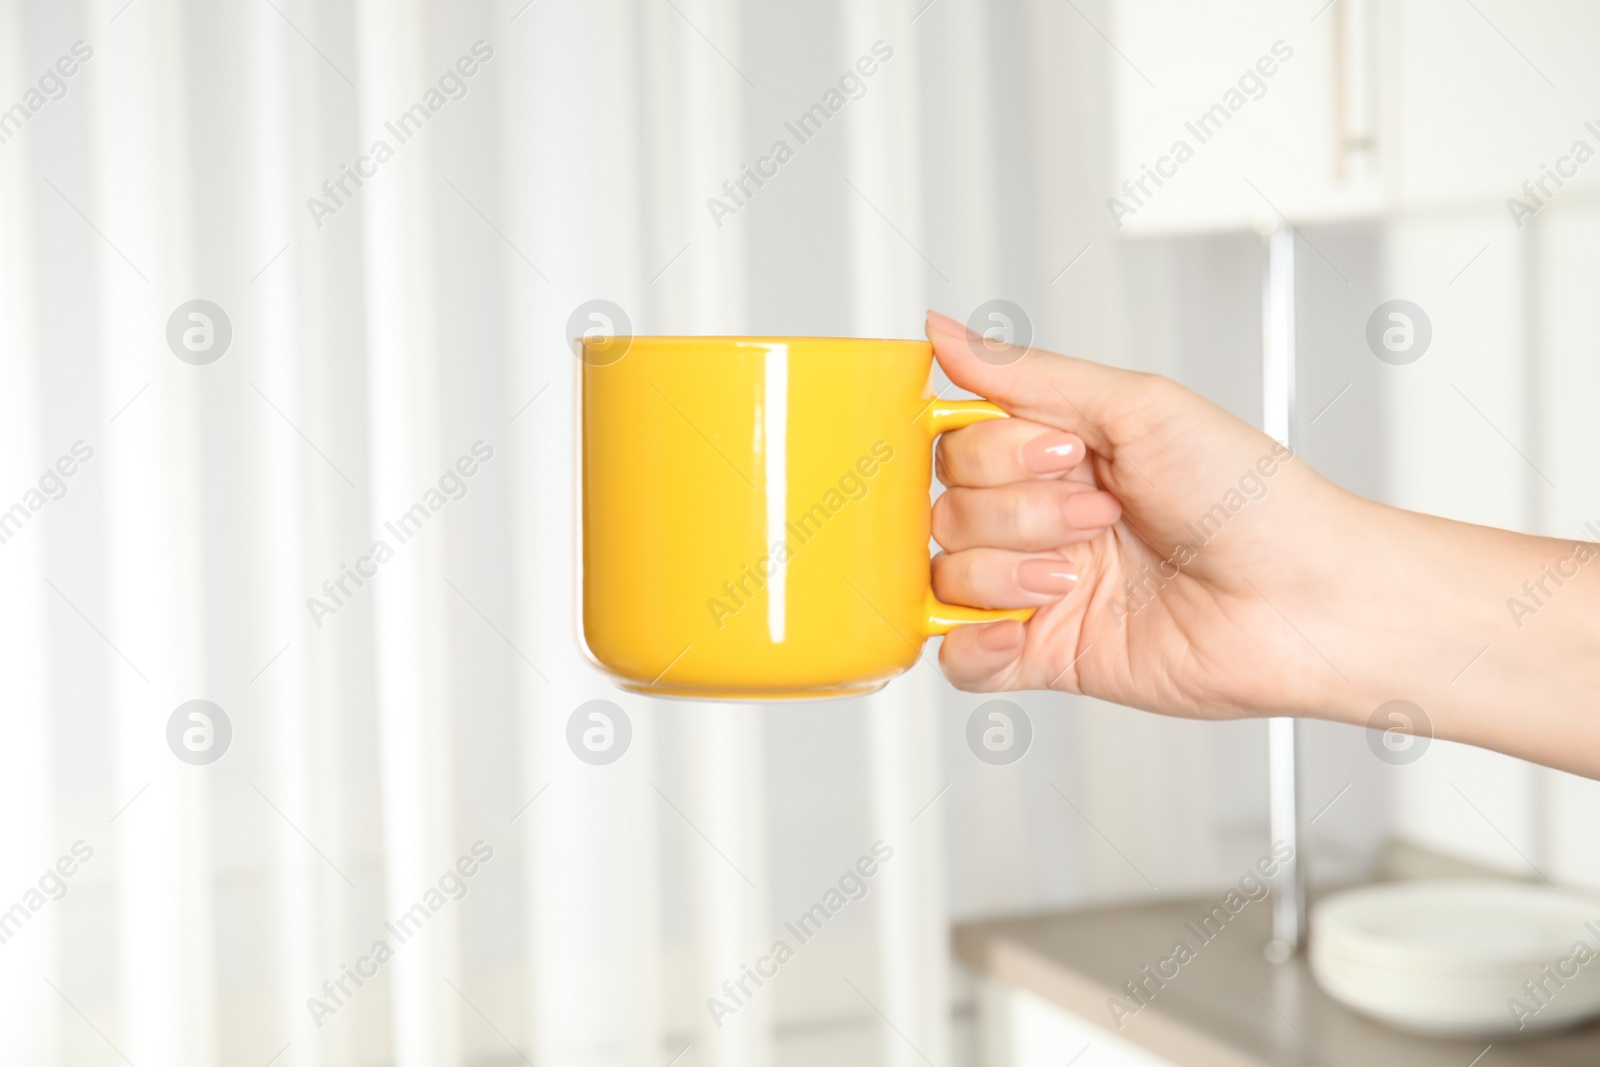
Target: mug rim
757	339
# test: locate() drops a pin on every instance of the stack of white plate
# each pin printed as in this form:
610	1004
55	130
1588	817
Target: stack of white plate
1450	957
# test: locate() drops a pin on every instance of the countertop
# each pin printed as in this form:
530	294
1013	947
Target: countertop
1227	1007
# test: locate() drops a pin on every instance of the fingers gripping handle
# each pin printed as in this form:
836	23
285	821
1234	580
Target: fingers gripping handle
942	416
940	618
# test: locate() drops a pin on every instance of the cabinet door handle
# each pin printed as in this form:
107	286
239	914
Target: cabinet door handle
1354	78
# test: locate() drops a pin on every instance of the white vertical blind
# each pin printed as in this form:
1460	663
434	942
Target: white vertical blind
298	872
323	266
140	200
28	1030
405	457
588	840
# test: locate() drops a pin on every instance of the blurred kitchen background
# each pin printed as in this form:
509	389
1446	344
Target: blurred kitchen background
375	338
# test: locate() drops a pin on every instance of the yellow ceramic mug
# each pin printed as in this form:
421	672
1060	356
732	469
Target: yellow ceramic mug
755	513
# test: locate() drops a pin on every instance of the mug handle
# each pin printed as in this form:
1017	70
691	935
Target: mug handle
939	618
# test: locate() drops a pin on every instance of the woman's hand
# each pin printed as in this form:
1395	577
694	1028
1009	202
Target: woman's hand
1166	609
1183	562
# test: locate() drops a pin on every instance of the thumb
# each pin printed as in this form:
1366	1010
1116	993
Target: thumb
1071	394
978	658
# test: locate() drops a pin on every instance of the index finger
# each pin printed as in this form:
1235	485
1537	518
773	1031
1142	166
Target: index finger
1077	395
1002	451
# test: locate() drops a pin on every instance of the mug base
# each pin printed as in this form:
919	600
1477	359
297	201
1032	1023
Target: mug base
748	696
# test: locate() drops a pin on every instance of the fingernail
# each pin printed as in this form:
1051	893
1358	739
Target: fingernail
1052	452
945	324
1001	636
1051	577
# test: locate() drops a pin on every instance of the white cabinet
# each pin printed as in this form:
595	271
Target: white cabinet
1018	1028
1232	113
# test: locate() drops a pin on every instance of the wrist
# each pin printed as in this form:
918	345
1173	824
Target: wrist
1478	627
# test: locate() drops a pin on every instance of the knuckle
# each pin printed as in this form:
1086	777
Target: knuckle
1035	515
992	466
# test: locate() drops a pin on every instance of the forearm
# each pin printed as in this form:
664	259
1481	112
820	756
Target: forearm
1494	635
